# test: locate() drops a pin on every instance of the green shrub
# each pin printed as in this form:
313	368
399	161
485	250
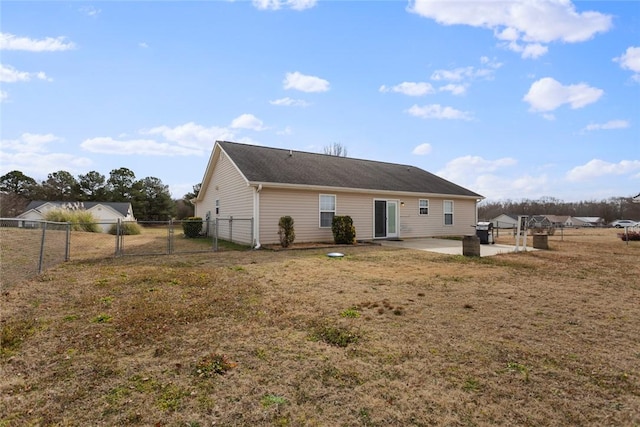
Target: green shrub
79	220
192	226
127	228
344	233
339	336
286	231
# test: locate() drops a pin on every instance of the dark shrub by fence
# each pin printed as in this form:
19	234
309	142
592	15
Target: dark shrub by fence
192	226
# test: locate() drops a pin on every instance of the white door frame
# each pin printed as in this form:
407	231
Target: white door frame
390	228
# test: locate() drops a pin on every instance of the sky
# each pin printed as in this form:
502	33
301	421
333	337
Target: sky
513	100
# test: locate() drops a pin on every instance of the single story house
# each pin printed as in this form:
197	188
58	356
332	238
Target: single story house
539	221
560	221
104	213
505	221
588	221
385	200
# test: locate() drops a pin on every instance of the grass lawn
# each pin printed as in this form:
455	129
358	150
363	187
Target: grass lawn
381	337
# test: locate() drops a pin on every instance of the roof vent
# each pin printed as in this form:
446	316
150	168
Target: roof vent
290	153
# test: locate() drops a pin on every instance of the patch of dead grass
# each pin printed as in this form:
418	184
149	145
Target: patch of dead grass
537	338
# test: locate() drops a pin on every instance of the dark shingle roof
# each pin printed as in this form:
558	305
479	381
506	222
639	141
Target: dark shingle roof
121	207
272	165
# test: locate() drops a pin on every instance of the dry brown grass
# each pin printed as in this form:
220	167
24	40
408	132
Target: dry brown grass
255	338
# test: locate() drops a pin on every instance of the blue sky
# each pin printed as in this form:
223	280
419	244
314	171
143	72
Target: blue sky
512	99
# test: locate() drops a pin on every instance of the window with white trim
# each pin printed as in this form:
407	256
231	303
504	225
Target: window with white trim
327	209
448	212
423	205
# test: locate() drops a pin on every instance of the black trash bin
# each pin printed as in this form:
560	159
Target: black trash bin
484	231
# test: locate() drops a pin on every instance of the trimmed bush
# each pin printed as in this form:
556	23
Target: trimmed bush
80	220
344	233
127	228
192	226
286	231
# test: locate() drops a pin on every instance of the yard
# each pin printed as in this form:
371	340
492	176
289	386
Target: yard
381	337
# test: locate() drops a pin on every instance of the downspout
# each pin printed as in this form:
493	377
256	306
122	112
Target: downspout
256	216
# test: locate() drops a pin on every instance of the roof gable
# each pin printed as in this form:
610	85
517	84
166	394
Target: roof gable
123	208
263	165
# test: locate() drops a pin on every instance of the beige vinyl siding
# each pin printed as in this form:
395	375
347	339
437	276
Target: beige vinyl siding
236	200
414	225
303	207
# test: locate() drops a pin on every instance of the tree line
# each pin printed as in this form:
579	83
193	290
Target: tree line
609	209
150	198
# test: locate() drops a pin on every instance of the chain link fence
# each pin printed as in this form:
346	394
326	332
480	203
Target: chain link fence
28	247
188	236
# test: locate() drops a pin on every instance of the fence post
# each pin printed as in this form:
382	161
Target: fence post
118	232
68	246
231	229
170	237
252	236
215	235
41	259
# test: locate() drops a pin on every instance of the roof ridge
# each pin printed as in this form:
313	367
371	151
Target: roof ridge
320	154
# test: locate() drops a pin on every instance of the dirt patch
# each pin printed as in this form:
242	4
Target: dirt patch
380	337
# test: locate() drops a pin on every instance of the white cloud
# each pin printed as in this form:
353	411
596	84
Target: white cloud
547	94
90	11
410	88
192	135
49	44
521	23
454	75
630	60
460	167
4	96
494	179
597	168
8	74
30	154
305	83
611	124
286	131
454	89
279	4
422	149
30	143
436	111
459	78
141	147
143	45
247	121
289	102
533	51
39	164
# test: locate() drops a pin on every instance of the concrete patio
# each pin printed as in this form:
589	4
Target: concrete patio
448	246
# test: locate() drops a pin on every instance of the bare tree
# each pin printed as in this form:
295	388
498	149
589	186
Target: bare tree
336	149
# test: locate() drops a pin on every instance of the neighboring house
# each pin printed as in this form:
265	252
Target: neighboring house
104	213
539	221
560	221
505	221
588	221
384	200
